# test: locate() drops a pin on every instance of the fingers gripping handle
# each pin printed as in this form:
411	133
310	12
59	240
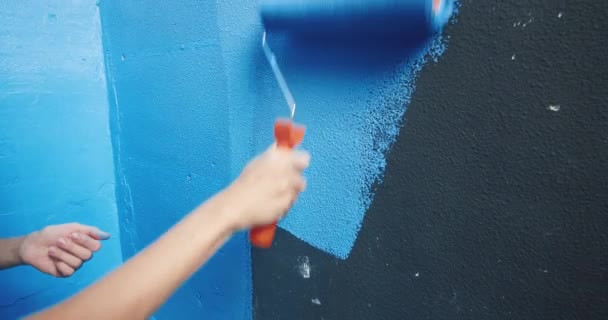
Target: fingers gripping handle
287	135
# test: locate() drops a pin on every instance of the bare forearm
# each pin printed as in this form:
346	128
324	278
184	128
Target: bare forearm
262	194
139	287
9	252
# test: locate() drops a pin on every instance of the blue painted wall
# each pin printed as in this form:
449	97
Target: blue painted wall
190	99
352	99
170	107
193	99
55	149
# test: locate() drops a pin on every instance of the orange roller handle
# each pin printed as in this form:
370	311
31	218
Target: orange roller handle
287	135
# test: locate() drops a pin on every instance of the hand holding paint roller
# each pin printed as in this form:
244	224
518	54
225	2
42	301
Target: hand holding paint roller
287	135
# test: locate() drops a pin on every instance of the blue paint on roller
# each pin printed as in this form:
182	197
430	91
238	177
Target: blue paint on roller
356	18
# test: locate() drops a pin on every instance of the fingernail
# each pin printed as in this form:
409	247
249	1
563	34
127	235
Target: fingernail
61	241
75	236
103	235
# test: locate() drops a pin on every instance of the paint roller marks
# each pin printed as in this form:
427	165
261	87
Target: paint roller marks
353	108
352	104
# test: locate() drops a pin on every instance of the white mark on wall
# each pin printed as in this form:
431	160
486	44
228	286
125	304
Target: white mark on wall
513	57
560	15
522	24
417	274
554	107
316	301
304	267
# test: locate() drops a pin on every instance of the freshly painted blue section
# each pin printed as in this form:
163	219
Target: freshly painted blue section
55	149
352	96
352	99
170	106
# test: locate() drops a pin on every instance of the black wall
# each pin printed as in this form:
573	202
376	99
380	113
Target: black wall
494	205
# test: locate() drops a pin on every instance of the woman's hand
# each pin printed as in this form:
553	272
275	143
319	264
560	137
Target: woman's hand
60	250
268	186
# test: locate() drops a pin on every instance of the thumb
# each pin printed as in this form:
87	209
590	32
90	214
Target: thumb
301	160
95	232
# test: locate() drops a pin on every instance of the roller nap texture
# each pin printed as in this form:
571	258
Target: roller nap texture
356	18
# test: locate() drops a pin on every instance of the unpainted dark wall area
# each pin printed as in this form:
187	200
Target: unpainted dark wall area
495	200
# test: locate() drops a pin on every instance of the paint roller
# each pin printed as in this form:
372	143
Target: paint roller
340	19
356	18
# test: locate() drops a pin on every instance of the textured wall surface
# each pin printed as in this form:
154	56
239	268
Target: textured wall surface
170	120
193	99
494	199
494	203
351	92
351	99
55	151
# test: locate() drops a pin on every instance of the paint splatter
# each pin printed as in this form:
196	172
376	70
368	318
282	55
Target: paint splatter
555	107
316	301
304	267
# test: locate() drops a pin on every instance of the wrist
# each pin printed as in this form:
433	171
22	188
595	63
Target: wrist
12	251
20	247
226	209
